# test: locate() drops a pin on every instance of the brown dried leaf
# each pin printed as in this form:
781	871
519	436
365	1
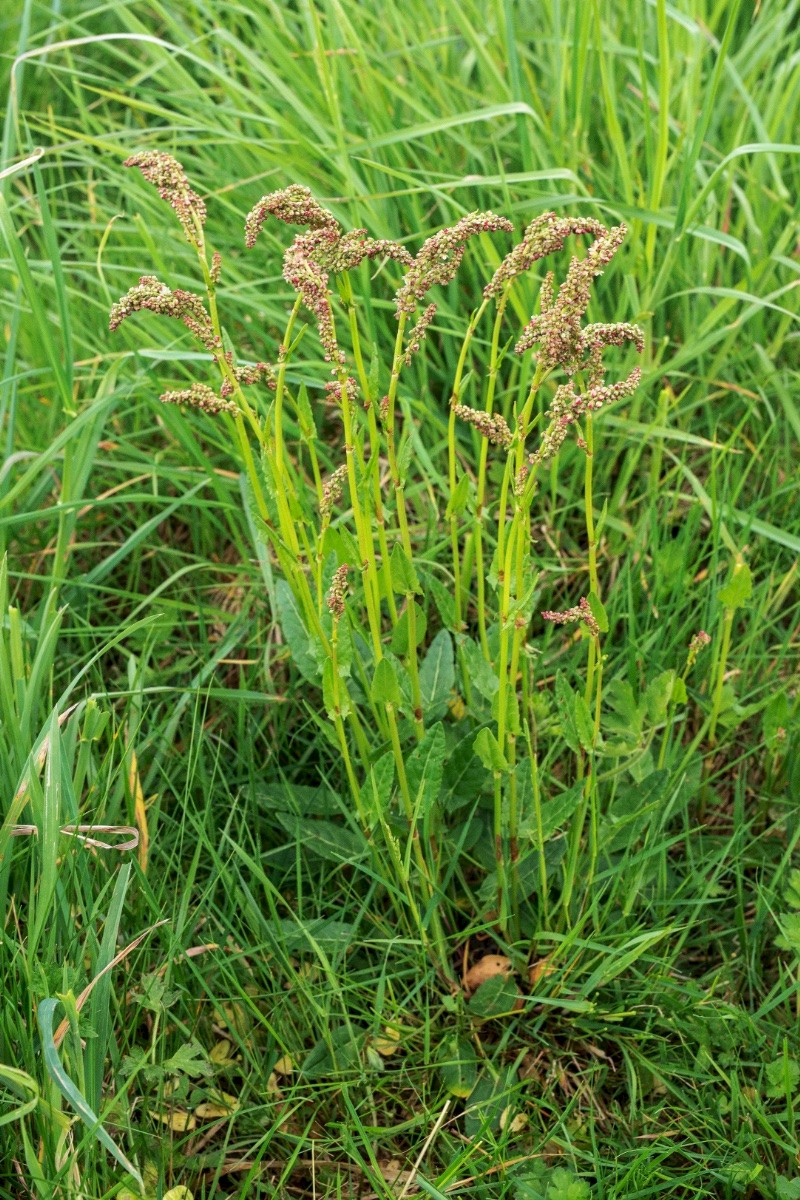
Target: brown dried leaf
487	968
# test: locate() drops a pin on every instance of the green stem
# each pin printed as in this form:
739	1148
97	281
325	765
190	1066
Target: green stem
477	526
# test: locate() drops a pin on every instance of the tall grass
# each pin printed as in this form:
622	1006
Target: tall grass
282	1032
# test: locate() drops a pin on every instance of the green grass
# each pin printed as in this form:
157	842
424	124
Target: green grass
657	1051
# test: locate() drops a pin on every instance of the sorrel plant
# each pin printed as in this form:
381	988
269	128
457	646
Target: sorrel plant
352	595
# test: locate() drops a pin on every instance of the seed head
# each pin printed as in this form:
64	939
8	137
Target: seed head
303	272
167	174
418	333
491	425
151	294
545	235
338	592
698	643
557	328
201	396
339	391
247	375
293	205
332	490
440	257
581	612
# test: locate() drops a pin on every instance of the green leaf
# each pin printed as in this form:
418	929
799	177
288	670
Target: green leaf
494	998
376	793
789	939
437	675
792	891
658	695
400	633
295	633
385	688
598	611
189	1059
464	777
459	499
564	1185
335	698
404	575
488	1100
783	1076
481	674
738	589
458	1066
555	813
320	933
627	817
425	767
325	839
487	748
69	1091
445	604
565	703
775	719
584	723
339	1051
786	1189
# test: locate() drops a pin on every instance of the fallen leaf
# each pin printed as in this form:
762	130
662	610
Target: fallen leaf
539	970
222	1104
284	1066
515	1123
221	1055
177	1119
389	1041
178	1193
487	968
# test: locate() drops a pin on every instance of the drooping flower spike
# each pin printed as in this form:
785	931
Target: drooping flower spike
545	235
440	257
167	174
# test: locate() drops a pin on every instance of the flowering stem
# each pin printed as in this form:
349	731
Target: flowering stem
455	398
374	442
405	536
365	543
720	665
477	527
415	844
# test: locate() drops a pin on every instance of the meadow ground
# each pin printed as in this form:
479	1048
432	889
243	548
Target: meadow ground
272	1028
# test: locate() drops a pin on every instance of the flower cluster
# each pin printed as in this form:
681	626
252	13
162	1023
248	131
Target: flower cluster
332	490
440	257
545	235
310	259
698	643
491	425
418	333
557	328
294	205
167	174
201	396
303	273
151	294
337	593
247	375
568	405
581	612
339	391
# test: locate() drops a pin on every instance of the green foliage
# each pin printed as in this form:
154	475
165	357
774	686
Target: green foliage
275	934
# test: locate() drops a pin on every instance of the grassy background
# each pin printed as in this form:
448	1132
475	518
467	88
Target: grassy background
132	580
